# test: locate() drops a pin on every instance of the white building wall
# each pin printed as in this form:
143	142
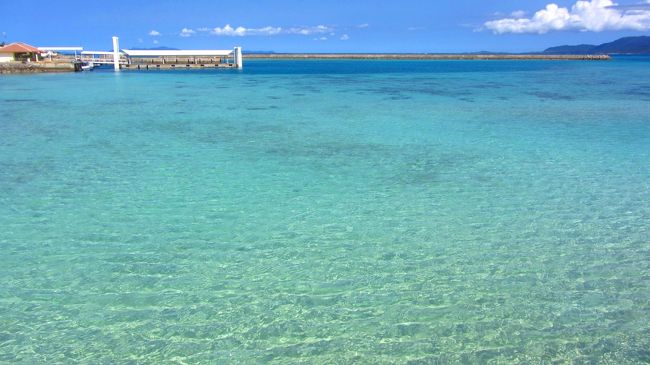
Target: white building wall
6	57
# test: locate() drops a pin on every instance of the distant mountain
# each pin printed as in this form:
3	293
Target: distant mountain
579	49
634	45
626	45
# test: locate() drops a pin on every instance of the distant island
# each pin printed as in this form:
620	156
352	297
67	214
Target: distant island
429	56
626	45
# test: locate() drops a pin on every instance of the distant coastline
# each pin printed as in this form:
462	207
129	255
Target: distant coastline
425	56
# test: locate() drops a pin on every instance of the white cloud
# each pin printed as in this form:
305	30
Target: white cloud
155	41
154	33
242	31
320	39
203	29
586	16
345	37
229	31
364	25
187	32
518	14
309	30
140	40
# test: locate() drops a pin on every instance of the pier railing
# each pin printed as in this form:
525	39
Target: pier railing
168	62
177	60
102	59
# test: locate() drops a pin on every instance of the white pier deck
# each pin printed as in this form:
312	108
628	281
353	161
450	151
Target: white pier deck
164	59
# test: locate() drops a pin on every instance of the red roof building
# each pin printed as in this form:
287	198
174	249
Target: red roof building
19	47
18	52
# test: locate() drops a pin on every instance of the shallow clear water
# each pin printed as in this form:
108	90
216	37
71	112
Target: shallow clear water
328	212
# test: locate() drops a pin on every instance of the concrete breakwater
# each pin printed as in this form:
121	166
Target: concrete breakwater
38	67
412	56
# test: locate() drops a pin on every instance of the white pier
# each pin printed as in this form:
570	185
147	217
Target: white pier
101	58
165	59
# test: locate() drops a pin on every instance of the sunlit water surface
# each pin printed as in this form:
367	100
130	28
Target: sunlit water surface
414	212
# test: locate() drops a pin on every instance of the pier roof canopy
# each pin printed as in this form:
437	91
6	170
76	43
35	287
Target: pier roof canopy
19	47
178	53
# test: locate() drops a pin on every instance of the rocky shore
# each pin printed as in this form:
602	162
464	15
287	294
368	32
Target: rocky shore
38	67
411	56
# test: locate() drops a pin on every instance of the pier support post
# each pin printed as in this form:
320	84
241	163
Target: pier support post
239	61
116	53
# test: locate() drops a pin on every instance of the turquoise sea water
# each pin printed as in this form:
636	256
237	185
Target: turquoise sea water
416	212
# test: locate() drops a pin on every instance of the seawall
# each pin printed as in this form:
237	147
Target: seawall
38	67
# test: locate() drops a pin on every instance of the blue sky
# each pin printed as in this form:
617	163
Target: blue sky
325	26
